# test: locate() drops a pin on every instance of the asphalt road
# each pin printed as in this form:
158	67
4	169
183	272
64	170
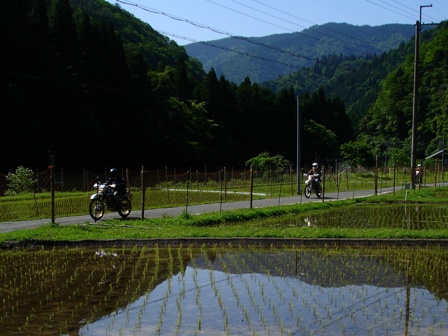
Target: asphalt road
193	209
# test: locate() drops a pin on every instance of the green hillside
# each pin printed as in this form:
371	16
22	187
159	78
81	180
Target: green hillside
387	124
266	58
96	87
377	92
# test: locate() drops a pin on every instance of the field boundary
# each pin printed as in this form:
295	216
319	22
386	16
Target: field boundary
229	242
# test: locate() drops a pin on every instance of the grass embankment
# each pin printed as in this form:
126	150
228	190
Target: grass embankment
280	222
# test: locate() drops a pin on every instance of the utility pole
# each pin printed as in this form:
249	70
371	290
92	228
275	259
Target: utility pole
299	189
418	26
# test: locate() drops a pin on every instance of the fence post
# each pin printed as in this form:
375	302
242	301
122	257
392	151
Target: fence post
290	180
225	184
323	183
52	186
394	179
251	174
37	189
436	172
375	177
166	181
197	181
61	181
347	180
188	179
142	180
84	184
336	173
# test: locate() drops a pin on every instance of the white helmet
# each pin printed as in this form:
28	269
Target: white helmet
315	165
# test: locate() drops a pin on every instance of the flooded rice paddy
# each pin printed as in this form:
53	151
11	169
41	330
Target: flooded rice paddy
403	216
232	290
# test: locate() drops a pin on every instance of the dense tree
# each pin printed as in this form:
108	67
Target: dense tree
115	92
388	122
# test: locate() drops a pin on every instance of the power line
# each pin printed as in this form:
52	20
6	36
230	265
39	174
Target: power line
293	23
209	44
359	42
219	31
216	30
397	8
412	9
250	16
390	10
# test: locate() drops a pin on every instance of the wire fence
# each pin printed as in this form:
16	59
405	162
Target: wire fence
342	178
169	187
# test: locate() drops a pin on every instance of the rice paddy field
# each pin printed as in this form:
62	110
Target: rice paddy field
286	287
232	290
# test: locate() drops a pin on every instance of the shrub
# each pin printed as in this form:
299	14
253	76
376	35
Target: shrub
20	181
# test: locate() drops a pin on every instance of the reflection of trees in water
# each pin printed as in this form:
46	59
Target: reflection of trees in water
76	287
312	267
387	267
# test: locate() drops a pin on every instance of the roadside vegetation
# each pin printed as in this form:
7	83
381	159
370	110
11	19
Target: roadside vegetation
270	181
292	221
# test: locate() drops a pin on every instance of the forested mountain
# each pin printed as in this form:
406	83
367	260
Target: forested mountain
88	82
387	125
356	80
378	95
71	85
269	57
91	84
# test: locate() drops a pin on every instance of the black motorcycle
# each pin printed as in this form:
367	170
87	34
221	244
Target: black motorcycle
313	184
106	197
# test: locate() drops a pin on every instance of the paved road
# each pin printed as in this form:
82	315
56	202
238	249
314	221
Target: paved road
193	209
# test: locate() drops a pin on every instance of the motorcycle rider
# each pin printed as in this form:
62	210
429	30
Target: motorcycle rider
120	185
314	172
418	174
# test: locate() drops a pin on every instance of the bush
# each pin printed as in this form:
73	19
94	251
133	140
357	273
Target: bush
21	181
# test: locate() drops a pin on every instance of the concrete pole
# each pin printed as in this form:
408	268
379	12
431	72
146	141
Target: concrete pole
299	189
415	107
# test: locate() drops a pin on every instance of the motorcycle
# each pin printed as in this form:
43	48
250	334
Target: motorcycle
418	178
313	184
106	197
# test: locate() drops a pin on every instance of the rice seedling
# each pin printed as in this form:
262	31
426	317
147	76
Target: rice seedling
253	290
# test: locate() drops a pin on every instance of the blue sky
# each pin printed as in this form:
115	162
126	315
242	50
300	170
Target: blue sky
188	21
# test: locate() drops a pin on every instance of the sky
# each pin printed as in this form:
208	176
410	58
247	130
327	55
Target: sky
189	21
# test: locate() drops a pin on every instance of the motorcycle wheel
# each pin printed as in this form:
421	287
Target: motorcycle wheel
307	191
319	191
96	209
124	207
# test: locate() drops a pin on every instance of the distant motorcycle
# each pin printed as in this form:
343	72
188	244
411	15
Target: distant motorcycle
418	178
313	184
106	197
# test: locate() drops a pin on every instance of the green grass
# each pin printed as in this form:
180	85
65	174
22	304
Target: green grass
260	222
38	206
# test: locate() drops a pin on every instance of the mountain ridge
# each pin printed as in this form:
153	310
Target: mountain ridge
269	57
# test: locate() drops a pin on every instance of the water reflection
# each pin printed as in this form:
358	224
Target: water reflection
296	292
244	291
